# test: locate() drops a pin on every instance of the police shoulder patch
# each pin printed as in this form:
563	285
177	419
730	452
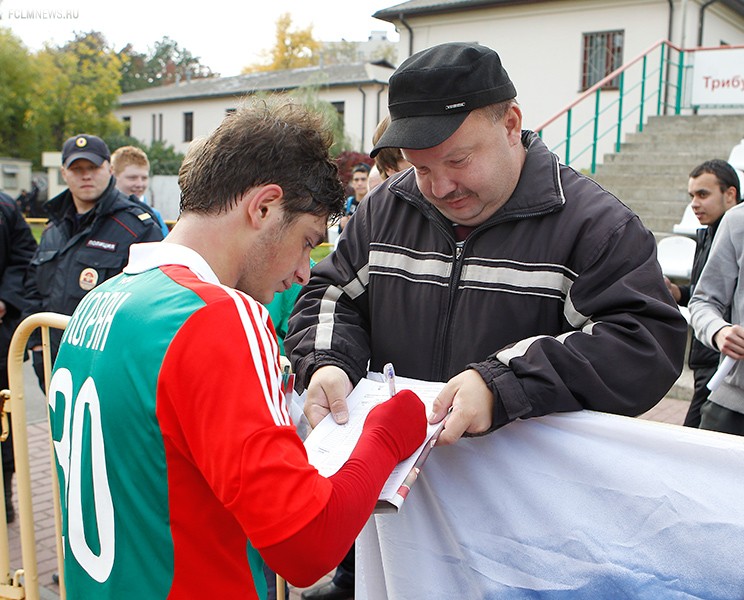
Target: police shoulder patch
102	245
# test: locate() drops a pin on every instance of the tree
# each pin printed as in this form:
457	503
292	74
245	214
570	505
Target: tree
17	73
341	53
133	69
307	95
164	160
76	90
387	51
165	63
292	49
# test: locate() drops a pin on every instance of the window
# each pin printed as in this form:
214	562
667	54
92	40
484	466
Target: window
10	177
602	54
157	127
340	108
188	126
230	111
127	121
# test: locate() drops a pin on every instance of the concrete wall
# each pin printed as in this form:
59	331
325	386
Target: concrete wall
165	195
52	162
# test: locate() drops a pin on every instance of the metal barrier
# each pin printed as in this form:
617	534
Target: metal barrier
24	583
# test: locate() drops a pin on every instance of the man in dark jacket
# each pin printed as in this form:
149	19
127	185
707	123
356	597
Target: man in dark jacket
714	188
490	266
17	246
91	227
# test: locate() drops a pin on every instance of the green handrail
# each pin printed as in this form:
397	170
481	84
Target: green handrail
568	133
680	72
622	97
661	79
596	128
619	111
643	97
635	88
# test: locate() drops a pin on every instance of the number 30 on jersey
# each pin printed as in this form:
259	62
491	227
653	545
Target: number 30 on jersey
70	452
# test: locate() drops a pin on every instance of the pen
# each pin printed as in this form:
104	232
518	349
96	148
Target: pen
390	377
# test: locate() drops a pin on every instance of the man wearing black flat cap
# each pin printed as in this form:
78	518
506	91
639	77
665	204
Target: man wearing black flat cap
86	241
489	265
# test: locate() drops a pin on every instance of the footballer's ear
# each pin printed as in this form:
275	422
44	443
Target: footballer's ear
262	204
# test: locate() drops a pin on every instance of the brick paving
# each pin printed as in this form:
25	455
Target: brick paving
669	410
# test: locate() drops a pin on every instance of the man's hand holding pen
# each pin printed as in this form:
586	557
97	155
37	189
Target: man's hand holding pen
465	401
467	404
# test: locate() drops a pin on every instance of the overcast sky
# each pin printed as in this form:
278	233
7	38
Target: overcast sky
225	34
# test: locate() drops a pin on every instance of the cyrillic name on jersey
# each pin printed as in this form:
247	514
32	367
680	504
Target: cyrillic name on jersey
91	322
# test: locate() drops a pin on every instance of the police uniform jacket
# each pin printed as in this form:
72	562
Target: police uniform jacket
77	252
17	246
557	300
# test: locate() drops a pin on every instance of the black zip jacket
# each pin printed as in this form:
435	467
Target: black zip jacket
557	300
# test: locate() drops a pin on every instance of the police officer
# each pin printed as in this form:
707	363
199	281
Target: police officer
86	241
17	246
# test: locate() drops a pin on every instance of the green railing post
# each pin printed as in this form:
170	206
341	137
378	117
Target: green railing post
595	134
621	91
643	93
568	136
678	100
661	81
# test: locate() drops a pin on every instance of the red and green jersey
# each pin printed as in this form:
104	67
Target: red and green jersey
175	452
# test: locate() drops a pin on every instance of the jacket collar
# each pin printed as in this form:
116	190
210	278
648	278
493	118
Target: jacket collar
62	204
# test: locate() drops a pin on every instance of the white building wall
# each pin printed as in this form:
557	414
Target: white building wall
165	195
362	112
541	48
719	27
15	176
52	162
540	45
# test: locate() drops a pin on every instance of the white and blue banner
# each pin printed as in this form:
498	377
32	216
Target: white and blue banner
575	506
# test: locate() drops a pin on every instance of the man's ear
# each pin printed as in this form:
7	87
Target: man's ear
262	205
513	123
729	197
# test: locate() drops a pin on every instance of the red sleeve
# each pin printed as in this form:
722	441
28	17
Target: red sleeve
221	409
324	541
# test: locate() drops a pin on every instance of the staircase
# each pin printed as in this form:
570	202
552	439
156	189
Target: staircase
651	171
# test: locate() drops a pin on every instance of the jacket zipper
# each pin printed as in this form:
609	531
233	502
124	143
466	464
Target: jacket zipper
457	264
